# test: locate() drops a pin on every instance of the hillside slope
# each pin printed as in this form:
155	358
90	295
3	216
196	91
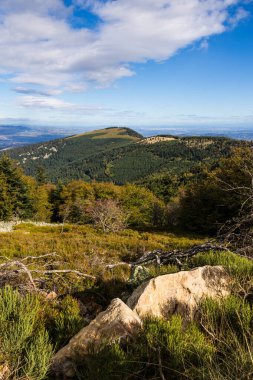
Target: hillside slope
120	155
67	158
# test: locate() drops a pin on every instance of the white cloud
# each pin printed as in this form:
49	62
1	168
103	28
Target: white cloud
39	45
35	6
238	16
32	91
41	102
204	45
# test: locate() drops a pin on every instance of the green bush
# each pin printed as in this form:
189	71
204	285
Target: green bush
233	314
24	343
162	347
229	325
239	268
63	320
37	356
217	347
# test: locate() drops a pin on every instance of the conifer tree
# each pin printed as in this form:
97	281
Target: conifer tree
14	192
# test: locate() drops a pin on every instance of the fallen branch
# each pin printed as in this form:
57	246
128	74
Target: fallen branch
112	266
64	271
160	365
53	254
4	270
10	270
175	257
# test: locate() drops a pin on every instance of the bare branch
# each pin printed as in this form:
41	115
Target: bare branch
53	254
112	266
23	267
12	269
64	271
175	257
160	365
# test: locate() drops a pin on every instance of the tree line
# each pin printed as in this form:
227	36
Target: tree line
107	205
200	201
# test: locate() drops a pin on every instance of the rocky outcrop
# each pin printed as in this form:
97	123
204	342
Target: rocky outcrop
179	292
161	297
115	323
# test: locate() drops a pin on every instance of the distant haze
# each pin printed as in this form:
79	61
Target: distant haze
236	132
19	135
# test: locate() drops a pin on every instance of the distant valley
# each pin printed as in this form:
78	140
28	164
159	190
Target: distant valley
20	135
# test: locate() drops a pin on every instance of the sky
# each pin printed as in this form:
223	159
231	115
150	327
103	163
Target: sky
80	64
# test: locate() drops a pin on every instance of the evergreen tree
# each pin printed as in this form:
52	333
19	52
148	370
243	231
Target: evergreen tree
5	201
41	175
56	201
14	191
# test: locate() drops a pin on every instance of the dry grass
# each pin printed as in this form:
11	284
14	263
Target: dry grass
86	249
108	133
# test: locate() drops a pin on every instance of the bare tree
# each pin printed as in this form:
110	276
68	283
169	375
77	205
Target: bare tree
107	215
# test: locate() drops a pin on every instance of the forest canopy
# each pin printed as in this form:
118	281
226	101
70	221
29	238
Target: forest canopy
201	200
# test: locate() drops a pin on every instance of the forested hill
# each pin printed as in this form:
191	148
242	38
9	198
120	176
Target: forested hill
120	155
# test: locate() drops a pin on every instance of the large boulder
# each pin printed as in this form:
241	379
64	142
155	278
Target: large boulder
179	292
115	323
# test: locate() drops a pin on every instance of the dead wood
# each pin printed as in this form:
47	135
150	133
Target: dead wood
37	273
176	257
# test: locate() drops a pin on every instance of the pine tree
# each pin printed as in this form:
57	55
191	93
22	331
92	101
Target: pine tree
14	192
41	176
56	200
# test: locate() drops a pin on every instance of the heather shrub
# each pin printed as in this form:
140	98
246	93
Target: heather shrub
163	349
229	325
240	269
24	344
63	320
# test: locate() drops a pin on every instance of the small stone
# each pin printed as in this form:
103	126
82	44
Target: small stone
4	372
51	296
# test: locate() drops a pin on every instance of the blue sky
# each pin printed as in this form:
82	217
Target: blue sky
140	63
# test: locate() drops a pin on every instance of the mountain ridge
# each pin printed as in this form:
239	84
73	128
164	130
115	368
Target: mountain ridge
119	155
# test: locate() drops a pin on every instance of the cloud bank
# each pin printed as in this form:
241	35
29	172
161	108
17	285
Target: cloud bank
41	45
